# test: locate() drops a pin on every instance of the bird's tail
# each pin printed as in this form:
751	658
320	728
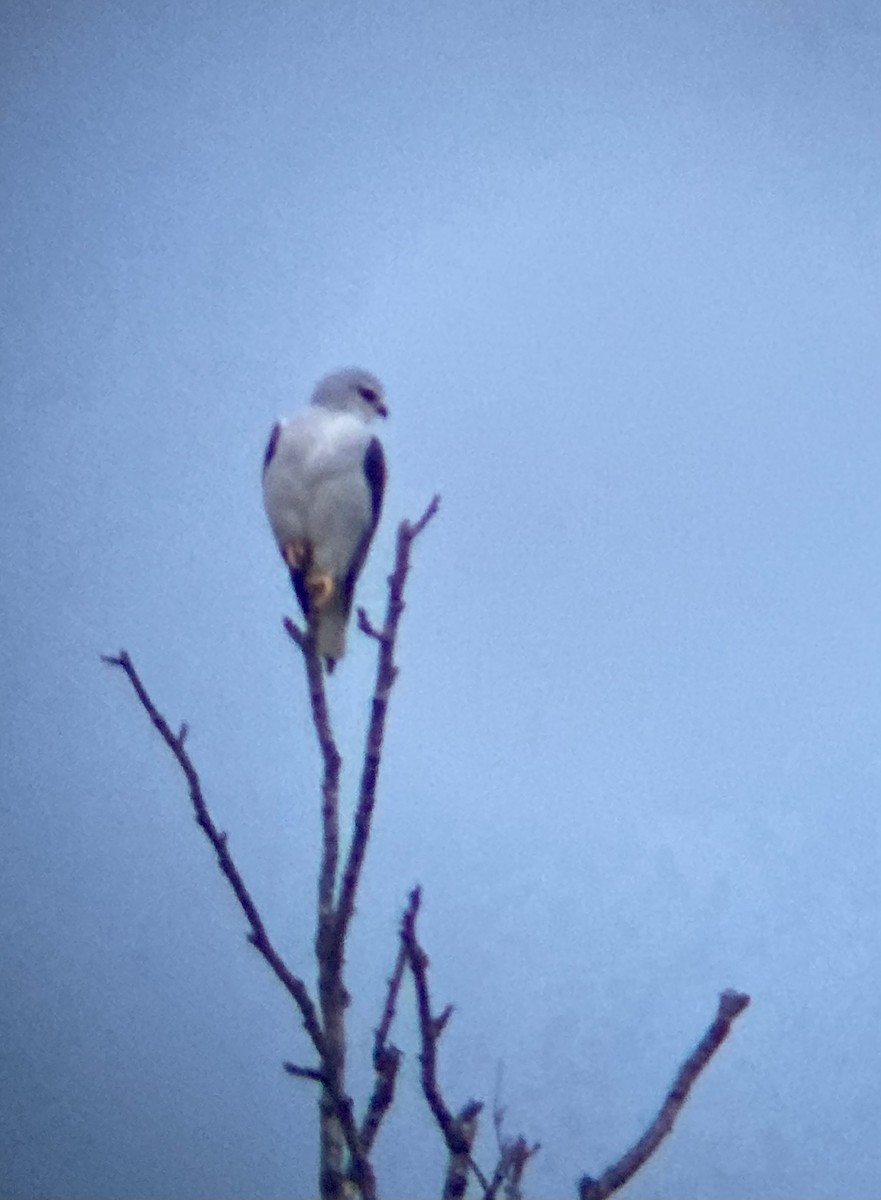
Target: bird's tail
332	629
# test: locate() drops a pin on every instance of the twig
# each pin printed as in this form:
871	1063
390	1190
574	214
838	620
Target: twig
367	626
413	531
731	1005
481	1178
311	1073
386	1060
386	671
458	1131
258	936
428	1025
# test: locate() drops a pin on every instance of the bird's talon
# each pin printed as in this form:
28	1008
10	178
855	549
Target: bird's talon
320	590
295	555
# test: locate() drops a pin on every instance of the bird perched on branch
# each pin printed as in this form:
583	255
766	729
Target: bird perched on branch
323	483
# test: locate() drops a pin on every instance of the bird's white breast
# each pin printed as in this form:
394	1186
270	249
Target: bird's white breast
314	487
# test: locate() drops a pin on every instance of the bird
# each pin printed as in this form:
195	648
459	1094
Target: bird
324	476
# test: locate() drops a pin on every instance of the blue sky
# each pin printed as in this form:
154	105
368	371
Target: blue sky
617	265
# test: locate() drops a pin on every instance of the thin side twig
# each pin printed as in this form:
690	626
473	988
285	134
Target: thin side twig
386	672
731	1005
311	1073
258	937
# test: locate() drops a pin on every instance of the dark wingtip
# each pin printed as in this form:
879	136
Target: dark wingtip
298	580
330	663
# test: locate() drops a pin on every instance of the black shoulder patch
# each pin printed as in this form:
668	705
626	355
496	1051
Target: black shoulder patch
270	449
374	473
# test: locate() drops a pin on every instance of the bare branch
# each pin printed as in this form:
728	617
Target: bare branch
338	1130
330	785
386	671
258	936
386	1059
418	960
731	1005
458	1131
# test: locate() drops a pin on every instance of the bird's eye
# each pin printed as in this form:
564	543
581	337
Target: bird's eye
368	394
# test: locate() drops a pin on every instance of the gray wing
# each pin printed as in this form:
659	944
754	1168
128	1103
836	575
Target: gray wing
375	476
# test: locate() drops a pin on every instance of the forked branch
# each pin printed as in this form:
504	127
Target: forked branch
337	892
458	1131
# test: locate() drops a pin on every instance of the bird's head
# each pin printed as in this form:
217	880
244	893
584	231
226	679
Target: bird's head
351	390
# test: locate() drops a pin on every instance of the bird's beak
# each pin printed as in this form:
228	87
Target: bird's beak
381	410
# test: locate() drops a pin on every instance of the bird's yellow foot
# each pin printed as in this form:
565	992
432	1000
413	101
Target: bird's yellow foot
296	555
320	589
